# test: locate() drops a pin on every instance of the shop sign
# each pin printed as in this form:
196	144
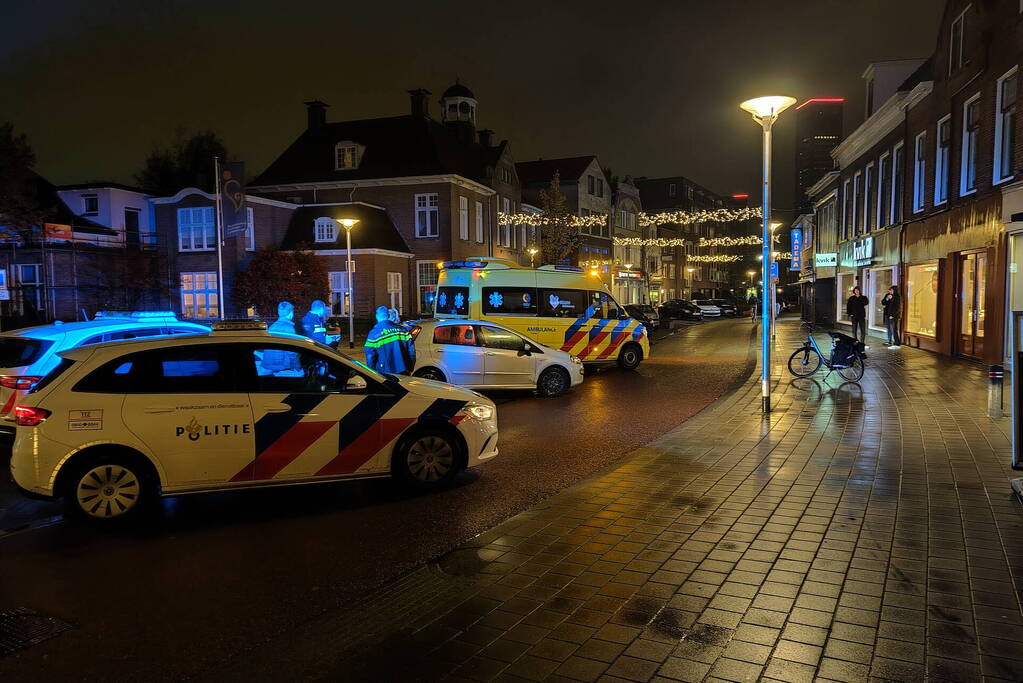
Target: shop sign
628	275
825	260
863	250
795	263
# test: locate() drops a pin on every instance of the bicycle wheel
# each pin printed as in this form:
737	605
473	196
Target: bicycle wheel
853	372
804	362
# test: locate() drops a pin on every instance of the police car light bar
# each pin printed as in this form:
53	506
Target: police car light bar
574	269
238	324
136	315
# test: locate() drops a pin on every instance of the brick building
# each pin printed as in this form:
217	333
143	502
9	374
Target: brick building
926	187
92	251
628	273
440	184
587	192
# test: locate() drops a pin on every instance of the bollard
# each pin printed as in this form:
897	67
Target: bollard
995	375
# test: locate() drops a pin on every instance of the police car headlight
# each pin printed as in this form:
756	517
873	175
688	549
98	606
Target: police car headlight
480	411
577	360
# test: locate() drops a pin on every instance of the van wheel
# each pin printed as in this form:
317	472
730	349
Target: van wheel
108	489
430	373
630	356
553	382
426	458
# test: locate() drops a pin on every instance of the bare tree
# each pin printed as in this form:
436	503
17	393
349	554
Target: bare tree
559	239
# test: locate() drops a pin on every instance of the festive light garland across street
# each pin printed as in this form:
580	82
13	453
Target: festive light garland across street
715	258
643	219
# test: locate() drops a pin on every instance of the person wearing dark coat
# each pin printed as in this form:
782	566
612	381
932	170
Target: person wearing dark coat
389	347
314	323
856	308
892	303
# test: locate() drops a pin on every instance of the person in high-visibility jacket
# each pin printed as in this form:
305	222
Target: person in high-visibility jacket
389	347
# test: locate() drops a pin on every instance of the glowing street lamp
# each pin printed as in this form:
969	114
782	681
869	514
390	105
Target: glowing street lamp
532	251
348	224
765	111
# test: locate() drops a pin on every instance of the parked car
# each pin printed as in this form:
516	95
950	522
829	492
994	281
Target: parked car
679	309
26	355
727	307
708	309
115	424
485	355
644	313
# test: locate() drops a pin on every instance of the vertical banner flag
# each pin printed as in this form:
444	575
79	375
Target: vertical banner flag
774	271
797	250
232	199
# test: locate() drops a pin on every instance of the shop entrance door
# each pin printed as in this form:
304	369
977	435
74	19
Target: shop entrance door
878	282
972	290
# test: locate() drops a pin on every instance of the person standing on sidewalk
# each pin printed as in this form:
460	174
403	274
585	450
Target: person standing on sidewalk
314	323
892	303
389	347
856	308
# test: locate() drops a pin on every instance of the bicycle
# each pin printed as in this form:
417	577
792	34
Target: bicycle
807	359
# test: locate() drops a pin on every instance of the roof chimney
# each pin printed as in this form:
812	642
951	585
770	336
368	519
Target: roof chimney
316	114
420	102
486	137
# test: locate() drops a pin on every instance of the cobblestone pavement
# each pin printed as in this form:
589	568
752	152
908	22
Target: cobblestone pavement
863	532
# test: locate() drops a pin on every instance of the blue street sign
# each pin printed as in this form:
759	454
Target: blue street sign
774	271
797	250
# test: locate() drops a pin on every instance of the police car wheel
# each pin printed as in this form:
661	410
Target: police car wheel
426	459
430	373
630	357
552	382
108	490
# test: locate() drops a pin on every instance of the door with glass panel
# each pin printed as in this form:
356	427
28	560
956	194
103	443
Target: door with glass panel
972	290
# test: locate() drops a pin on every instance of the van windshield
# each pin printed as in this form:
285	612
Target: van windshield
16	352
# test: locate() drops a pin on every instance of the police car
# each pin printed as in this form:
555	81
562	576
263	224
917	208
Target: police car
28	354
115	424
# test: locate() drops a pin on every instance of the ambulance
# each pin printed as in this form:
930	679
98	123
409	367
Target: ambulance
563	307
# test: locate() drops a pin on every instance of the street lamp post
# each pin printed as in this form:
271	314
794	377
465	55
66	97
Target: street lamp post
532	251
765	111
690	270
348	224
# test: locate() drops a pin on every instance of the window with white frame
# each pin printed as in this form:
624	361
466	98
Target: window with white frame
898	172
971	133
250	230
340	290
941	160
199	297
197	229
346	156
672	189
325	229
919	171
29	278
427	222
868	198
1005	126
463	218
884	189
956	44
91	204
479	222
591	185
846	209
394	299
857	209
426	276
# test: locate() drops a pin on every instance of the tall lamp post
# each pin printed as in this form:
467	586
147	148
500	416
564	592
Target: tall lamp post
765	111
348	224
532	251
690	270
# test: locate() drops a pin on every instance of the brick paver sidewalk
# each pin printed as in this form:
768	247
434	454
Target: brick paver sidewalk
865	531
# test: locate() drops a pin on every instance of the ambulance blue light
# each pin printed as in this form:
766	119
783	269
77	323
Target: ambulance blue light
464	264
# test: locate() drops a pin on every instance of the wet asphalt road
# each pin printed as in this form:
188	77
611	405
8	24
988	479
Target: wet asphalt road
215	575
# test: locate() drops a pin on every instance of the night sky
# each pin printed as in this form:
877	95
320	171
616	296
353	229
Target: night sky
651	87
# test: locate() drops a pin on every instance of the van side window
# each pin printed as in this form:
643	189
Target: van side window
606	307
563	303
452	301
509	300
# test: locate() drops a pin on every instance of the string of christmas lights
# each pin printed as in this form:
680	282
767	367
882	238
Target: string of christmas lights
747	241
643	219
714	258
